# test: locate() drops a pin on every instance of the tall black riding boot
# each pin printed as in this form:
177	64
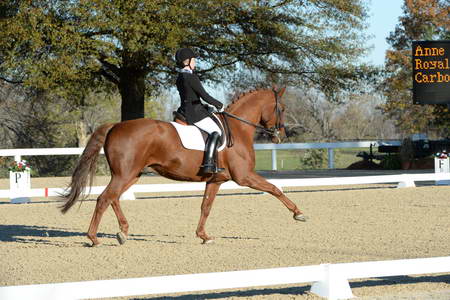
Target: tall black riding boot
209	163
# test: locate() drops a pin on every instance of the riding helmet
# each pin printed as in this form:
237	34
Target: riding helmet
183	54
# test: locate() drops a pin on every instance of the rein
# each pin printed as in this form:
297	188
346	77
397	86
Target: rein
226	127
269	131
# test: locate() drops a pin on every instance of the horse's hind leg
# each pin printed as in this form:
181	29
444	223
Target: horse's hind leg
123	223
257	182
111	194
103	202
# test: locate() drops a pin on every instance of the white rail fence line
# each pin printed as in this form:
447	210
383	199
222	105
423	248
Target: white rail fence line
18	153
329	280
403	180
329	146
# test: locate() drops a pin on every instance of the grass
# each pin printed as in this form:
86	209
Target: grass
307	159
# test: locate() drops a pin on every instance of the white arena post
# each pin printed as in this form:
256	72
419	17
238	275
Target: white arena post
333	285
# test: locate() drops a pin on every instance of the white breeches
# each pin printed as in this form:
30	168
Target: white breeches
208	125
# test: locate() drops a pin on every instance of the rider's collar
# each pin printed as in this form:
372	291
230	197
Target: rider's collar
186	71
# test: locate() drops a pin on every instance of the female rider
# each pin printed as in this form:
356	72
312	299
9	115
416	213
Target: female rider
191	90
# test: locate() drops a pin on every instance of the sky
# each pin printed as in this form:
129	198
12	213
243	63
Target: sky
383	17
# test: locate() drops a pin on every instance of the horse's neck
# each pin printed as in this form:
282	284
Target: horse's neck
250	110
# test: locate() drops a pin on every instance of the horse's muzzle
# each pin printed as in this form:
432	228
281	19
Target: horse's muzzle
277	137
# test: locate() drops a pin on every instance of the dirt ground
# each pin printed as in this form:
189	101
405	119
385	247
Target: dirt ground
252	231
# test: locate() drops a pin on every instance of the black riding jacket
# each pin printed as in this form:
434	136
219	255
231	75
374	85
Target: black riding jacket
191	90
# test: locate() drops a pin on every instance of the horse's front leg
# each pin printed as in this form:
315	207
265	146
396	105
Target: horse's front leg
208	199
257	182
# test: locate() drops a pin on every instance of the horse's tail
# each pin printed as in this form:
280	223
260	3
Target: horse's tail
85	168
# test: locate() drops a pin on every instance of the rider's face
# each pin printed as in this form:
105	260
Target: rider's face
189	63
192	64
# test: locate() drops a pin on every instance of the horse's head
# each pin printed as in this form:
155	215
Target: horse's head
272	116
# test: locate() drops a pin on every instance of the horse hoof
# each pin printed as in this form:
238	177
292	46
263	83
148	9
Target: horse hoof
300	217
121	238
209	241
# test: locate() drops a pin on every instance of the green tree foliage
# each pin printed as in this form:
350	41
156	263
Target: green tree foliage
32	118
421	20
74	46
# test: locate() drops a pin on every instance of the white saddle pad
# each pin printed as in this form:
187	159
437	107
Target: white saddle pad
191	137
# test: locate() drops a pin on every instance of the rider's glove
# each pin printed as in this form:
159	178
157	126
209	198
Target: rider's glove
211	109
221	109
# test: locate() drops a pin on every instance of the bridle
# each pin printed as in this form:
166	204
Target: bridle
278	124
273	131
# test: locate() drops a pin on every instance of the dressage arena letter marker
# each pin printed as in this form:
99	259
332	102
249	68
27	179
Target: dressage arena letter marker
19	187
431	72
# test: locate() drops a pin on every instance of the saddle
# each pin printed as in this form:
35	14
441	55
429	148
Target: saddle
193	137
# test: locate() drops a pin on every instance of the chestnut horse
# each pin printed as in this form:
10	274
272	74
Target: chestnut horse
130	146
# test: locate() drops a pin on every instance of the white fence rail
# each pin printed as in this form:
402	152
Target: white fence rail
329	146
329	280
18	153
403	180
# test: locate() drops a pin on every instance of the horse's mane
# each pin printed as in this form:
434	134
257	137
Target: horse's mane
241	94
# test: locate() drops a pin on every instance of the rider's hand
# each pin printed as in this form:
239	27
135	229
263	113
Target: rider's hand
210	108
221	109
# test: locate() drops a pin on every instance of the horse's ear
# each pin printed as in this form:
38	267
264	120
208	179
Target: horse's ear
281	92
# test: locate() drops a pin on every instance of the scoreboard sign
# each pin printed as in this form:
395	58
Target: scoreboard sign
431	72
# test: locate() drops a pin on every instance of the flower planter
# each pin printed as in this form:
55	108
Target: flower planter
19	186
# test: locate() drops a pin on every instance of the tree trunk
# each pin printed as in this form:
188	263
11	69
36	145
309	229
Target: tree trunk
132	90
83	133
